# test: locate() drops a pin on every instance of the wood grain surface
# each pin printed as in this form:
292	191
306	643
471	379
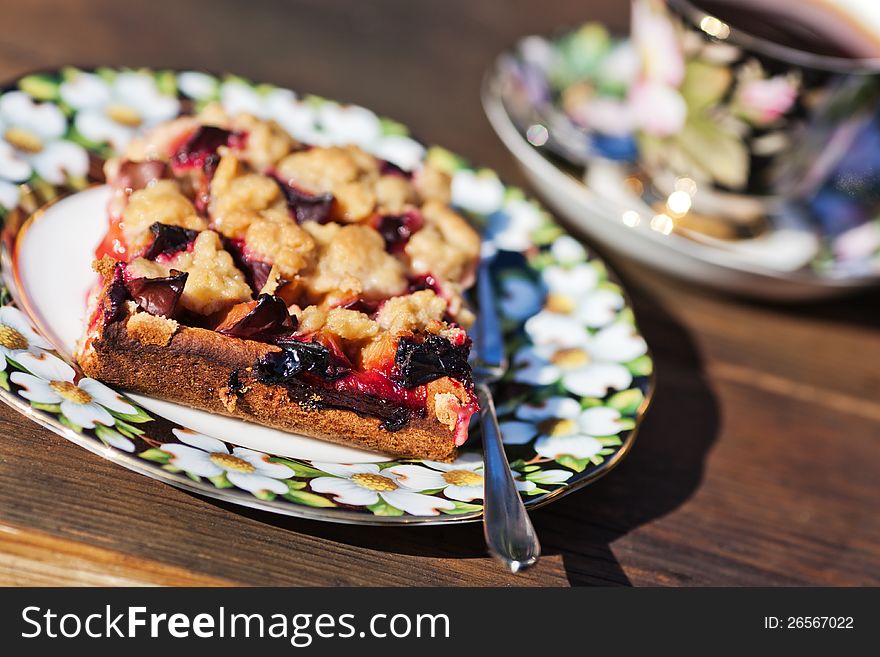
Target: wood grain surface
758	463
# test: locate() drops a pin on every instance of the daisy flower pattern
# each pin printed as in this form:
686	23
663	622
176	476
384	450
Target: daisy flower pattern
351	124
280	105
204	456
563	428
511	227
198	85
572	291
460	480
477	191
586	365
31	141
114	111
17	336
365	484
573	287
50	380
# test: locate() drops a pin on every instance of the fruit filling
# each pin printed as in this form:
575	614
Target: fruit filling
397	229
352	269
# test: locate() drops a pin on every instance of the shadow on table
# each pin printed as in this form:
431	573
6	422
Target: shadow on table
662	471
859	309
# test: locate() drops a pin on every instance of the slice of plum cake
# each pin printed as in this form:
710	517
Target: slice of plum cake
318	290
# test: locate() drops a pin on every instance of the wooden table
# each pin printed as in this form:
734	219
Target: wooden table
759	460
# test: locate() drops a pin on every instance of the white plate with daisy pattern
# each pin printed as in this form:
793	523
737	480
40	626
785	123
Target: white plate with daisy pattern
580	376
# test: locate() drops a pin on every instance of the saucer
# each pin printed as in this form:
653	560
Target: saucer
594	181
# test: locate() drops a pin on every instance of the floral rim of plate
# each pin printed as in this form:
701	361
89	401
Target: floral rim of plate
580	377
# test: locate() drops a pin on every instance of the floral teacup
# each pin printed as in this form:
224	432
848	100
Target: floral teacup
718	122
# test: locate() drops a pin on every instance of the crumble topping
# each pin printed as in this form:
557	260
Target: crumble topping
350	325
433	184
267	142
320	170
162	202
143	268
213	282
412	312
394	194
452	405
273	238
446	407
362	254
352	260
446	247
354	201
238	197
311	319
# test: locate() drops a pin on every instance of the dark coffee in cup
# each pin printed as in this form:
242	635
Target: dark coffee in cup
757	104
819	27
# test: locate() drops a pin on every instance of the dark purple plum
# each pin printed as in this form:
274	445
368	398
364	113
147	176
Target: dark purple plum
158	296
266	320
422	359
168	239
307	207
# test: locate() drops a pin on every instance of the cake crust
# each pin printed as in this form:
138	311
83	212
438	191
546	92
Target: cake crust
209	371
